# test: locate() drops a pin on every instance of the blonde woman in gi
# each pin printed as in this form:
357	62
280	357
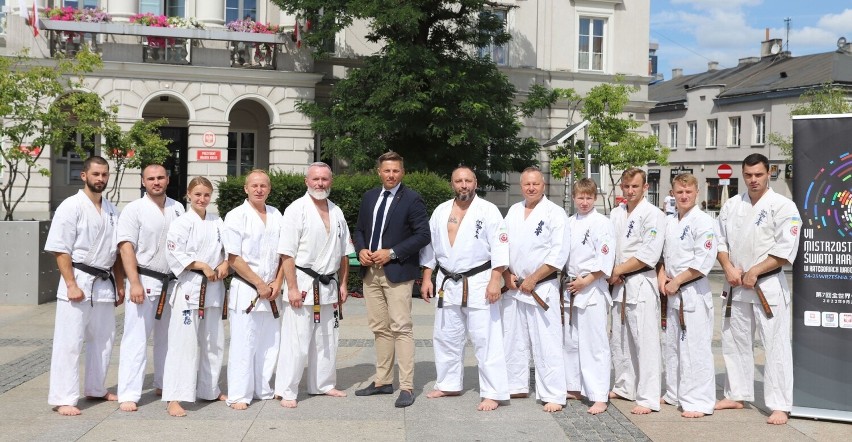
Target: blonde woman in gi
196	333
688	255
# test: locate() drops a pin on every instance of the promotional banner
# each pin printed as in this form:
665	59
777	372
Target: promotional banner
822	273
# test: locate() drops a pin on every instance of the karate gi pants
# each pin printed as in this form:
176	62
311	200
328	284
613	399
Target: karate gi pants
586	352
452	324
690	372
77	322
738	352
194	359
139	323
304	341
252	355
528	327
635	349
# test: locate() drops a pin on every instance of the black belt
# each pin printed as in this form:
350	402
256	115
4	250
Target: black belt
99	274
624	289
325	280
164	278
272	305
763	302
563	285
202	294
459	276
680	310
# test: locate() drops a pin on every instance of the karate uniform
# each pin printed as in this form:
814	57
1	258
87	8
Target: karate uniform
144	226
305	239
690	373
88	236
542	238
255	336
586	347
481	237
635	344
749	233
196	346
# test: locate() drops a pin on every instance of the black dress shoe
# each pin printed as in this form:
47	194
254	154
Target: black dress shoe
405	399
372	389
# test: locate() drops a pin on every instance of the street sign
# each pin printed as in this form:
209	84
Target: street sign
724	171
724	182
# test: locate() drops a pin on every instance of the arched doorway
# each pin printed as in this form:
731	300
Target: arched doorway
176	130
248	137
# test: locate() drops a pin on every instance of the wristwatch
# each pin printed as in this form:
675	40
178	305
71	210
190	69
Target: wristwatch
392	254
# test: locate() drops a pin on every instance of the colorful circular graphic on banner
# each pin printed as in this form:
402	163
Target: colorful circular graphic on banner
828	201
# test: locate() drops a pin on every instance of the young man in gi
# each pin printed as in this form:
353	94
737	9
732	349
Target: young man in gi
635	339
590	261
688	254
314	246
83	238
758	235
538	248
142	230
469	252
251	242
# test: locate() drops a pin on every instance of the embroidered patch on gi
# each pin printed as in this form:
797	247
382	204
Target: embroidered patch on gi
177	213
653	233
794	230
538	229
795	221
186	297
504	238
605	249
171	246
708	244
187	320
478	228
148	291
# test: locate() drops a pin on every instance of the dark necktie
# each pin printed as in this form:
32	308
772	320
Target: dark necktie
377	227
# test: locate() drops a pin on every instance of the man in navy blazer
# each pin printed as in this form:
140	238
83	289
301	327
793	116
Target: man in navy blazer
392	227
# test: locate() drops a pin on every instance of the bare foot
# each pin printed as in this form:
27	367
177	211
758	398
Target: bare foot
438	393
222	397
519	395
289	403
614	395
488	405
597	408
777	417
107	397
727	404
175	409
640	410
574	395
692	414
158	391
550	407
239	406
127	406
67	410
335	393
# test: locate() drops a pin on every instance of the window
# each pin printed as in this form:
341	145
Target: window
71	158
655	132
692	143
673	135
712	133
239	9
2	16
169	8
736	127
760	129
498	53
714	192
80	4
590	52
240	152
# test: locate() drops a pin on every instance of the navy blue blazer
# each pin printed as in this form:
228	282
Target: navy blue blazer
406	231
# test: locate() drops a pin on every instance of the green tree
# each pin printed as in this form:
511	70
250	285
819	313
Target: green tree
827	99
424	94
136	148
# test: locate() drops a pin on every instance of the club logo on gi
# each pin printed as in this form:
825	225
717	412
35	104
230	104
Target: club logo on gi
586	237
218	235
794	230
605	249
187	320
148	291
684	233
504	238
538	229
653	233
760	217
177	214
478	228
111	221
630	228
708	244
171	245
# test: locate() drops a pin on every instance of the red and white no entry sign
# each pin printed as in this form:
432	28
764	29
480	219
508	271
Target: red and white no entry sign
724	171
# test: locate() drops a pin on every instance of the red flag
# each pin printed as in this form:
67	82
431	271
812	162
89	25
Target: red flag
297	34
34	19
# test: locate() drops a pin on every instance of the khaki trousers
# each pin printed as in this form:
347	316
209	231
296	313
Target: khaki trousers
389	316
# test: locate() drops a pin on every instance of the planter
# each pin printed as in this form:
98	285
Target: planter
28	274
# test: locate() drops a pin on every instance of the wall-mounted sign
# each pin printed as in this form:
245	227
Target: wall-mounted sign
208	155
208	138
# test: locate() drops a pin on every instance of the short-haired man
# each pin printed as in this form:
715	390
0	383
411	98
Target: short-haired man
142	230
83	238
635	339
251	242
469	251
688	254
590	262
539	241
392	227
758	235
314	247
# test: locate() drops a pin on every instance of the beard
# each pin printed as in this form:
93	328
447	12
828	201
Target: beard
96	187
319	194
464	196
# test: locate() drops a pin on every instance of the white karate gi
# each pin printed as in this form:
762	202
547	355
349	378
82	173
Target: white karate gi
749	234
690	373
88	236
636	343
144	226
586	347
542	238
196	346
255	336
305	239
481	237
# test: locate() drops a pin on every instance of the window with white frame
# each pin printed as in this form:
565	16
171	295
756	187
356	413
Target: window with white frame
2	16
712	133
760	129
590	53
655	131
692	142
735	124
169	8
240	9
498	53
673	135
80	4
241	152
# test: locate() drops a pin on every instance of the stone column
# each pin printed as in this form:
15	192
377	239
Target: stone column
122	10
211	13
